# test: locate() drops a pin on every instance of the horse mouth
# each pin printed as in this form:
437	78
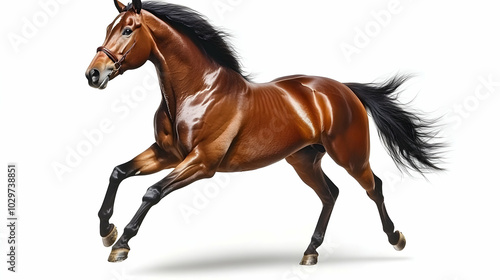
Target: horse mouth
99	79
104	83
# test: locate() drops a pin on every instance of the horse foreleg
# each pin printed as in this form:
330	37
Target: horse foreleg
150	161
193	168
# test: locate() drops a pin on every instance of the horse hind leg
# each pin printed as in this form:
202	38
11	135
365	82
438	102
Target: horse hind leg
354	158
373	186
307	164
396	238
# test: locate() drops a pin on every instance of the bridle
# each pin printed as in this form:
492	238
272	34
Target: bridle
118	62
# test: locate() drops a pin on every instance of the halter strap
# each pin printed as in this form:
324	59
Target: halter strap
116	61
108	53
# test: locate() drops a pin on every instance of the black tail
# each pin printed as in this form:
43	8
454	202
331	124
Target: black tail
406	135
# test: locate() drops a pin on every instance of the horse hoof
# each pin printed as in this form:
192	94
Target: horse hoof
401	242
118	255
110	239
311	259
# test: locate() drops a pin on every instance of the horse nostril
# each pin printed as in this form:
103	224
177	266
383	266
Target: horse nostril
94	76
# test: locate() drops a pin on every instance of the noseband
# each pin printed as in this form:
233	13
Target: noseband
116	61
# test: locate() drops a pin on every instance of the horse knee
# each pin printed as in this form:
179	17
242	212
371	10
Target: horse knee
118	174
153	195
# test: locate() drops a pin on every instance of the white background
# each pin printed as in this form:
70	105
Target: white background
253	225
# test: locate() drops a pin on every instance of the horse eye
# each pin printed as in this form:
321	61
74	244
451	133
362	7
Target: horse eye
127	31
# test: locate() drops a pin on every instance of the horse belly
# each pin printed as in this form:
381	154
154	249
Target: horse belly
261	150
268	138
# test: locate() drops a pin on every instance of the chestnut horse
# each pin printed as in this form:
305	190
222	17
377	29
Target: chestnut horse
212	118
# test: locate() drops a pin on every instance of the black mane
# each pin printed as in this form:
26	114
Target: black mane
194	25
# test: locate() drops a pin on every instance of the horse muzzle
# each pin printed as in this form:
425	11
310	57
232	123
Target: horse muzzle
99	78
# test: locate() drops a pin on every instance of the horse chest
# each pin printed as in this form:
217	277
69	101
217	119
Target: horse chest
191	119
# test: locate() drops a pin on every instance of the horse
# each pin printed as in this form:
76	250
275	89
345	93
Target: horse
212	117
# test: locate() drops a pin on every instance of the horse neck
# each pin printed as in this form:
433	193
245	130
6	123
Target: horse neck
182	67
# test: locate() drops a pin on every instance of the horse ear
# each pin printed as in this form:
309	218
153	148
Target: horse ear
119	6
137	4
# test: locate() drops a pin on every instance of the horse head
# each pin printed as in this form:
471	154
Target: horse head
127	46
